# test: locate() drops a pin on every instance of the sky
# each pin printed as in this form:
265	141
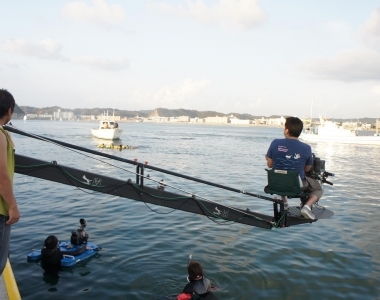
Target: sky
261	57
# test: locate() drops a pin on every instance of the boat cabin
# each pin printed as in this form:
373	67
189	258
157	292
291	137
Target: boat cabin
108	124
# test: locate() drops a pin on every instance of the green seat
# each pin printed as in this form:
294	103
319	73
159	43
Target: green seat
284	183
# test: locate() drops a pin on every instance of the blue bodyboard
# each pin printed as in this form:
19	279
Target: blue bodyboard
69	260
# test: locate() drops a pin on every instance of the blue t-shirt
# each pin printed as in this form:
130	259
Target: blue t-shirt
290	154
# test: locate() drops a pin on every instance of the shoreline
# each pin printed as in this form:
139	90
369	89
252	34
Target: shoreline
180	123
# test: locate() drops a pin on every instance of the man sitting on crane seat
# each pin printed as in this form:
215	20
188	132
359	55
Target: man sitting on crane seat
291	154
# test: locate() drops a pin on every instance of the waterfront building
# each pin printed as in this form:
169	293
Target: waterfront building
184	119
44	116
64	115
32	116
87	117
236	121
217	120
197	120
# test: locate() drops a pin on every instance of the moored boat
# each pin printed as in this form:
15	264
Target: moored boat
107	129
329	131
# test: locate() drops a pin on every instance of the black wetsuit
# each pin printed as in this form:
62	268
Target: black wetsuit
51	259
200	287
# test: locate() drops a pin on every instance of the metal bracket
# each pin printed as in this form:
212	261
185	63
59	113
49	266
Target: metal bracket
140	174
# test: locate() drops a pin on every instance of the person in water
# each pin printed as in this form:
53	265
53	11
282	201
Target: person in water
51	255
291	154
198	284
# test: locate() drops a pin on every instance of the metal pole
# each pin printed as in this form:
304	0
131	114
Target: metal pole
35	136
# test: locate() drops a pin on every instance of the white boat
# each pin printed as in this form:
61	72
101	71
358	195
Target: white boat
107	130
25	118
329	131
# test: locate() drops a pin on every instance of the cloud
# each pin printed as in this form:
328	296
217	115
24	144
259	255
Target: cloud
352	65
348	66
46	49
49	49
229	14
372	25
99	13
369	32
103	63
182	94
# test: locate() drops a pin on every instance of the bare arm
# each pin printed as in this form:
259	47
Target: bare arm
6	189
308	168
269	162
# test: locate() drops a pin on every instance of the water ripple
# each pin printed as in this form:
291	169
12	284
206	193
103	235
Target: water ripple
145	254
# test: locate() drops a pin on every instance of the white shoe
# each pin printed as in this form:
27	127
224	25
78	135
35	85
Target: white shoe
306	212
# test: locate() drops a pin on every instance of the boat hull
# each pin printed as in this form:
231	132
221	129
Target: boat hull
107	134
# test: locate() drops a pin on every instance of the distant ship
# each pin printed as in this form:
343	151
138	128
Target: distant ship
329	131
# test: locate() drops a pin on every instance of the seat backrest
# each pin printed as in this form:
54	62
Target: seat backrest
284	183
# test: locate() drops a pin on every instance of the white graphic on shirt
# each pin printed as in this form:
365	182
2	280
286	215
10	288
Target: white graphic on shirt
288	156
297	156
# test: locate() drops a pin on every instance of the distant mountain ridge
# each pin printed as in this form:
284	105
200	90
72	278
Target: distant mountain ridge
162	112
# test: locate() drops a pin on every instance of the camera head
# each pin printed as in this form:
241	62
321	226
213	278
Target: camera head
80	236
318	170
318	165
83	223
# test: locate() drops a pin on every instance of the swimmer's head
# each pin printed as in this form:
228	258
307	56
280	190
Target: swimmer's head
51	242
195	270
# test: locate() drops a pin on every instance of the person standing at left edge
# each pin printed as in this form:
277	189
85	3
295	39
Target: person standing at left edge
9	213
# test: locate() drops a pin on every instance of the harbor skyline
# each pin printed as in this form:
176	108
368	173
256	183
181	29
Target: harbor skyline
169	115
242	56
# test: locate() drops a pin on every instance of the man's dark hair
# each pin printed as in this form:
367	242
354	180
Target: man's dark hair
6	102
194	269
51	242
294	125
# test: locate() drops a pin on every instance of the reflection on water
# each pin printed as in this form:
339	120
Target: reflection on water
145	254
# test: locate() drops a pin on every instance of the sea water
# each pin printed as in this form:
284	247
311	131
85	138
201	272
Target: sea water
146	247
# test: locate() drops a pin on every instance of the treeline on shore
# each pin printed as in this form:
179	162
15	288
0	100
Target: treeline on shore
162	112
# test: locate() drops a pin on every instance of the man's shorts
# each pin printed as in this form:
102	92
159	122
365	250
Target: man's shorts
314	186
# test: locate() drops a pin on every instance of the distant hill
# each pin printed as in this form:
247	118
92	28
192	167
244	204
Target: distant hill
18	110
84	111
162	112
362	120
